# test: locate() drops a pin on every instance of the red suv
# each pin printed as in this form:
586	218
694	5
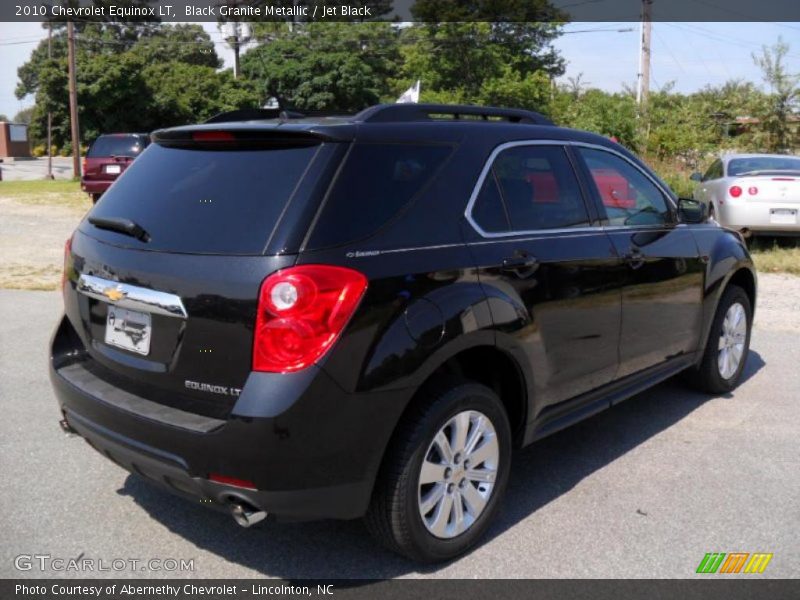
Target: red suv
108	156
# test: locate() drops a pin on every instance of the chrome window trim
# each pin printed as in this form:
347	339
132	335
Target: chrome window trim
131	296
551	142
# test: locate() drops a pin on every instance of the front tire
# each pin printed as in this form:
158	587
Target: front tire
444	475
728	344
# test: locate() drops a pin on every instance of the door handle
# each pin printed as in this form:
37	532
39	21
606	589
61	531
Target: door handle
520	260
634	258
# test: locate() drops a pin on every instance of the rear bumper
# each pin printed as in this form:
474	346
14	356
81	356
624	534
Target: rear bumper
310	449
758	217
91	186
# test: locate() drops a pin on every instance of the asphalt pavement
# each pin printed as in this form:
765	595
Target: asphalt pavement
645	489
27	169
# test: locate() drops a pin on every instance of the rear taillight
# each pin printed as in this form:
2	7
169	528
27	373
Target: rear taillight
67	252
83	166
735	191
301	312
752	190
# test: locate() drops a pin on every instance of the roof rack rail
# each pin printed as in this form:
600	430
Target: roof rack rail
388	113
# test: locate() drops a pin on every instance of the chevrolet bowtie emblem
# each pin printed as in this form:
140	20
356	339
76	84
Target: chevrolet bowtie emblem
114	293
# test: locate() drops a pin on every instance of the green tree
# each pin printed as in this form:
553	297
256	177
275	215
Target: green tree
166	78
105	35
610	115
24	116
460	58
325	66
181	93
783	99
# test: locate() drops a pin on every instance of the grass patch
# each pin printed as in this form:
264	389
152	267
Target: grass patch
28	277
46	192
776	256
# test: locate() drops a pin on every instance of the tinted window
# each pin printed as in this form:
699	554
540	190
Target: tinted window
489	212
628	195
539	188
739	166
117	145
203	201
376	182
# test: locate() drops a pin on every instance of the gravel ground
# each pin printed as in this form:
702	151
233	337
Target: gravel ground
32	240
778	304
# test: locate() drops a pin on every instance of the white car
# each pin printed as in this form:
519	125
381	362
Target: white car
756	194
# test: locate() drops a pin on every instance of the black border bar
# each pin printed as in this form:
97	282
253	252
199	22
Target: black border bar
171	11
744	587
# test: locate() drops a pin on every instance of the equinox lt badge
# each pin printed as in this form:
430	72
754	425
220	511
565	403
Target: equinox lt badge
213	389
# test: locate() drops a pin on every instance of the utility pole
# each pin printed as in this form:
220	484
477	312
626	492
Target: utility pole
235	45
73	101
49	114
236	35
643	87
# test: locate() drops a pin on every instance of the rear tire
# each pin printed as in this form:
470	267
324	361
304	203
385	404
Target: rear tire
95	198
728	343
431	507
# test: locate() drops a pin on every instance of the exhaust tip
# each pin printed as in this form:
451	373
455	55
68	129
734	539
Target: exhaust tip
245	516
66	428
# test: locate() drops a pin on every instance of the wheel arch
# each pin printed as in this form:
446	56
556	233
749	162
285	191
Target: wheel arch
482	363
743	276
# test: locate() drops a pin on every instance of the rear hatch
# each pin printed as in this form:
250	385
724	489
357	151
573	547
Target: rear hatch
110	155
164	273
770	187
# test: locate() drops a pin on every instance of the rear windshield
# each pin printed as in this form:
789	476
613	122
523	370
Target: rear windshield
742	166
203	201
117	145
376	183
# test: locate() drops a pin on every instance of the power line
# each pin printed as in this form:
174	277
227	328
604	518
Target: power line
669	51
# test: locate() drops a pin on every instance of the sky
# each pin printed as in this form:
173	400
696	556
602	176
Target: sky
691	55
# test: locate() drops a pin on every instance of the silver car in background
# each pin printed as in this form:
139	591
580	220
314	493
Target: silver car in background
756	194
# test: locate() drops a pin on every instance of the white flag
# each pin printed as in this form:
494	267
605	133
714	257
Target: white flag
411	95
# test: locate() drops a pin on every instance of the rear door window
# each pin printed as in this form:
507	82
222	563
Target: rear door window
489	212
537	189
376	183
117	145
203	201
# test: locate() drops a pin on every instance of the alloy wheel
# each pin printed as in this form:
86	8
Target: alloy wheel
731	340
458	474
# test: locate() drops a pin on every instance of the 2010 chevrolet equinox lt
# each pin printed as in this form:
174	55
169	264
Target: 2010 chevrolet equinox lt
362	316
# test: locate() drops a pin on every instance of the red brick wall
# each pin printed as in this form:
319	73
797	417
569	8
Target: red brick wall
9	148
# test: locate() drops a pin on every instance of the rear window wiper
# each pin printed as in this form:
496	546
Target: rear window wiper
124	226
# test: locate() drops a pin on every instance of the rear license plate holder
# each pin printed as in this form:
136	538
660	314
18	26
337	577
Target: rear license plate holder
113	169
783	216
129	329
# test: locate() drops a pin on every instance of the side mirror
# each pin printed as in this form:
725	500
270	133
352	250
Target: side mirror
692	211
696	176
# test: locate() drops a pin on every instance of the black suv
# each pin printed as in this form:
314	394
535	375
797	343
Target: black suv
361	317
